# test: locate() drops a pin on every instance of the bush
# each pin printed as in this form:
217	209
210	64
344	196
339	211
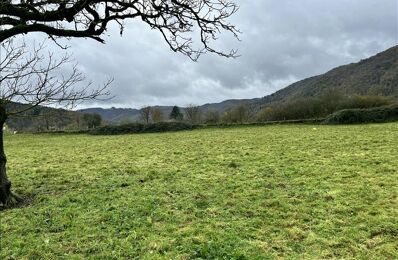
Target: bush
293	110
371	115
367	102
319	107
143	128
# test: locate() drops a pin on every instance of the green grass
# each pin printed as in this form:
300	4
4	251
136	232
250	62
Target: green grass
282	191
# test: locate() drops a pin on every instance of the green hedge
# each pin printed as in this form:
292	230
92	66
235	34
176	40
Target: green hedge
142	128
357	116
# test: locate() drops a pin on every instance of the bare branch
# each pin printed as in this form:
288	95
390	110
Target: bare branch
178	21
35	79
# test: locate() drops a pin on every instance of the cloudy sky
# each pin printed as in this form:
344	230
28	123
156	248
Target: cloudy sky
281	42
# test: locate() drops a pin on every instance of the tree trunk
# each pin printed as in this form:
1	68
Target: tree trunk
7	198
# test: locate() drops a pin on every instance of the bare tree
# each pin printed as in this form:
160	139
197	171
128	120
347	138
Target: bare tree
177	20
157	115
77	117
145	114
212	117
193	114
241	113
33	79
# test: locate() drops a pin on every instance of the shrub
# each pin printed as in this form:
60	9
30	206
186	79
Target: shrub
319	107
143	128
371	115
367	102
292	110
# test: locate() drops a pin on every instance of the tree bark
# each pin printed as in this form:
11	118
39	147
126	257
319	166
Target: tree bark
7	198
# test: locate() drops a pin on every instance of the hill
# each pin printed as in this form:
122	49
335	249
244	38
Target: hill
113	115
44	119
377	75
116	115
40	118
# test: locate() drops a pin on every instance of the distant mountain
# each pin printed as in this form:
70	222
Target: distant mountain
113	115
116	115
377	75
227	104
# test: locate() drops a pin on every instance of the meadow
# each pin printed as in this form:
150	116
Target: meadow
260	192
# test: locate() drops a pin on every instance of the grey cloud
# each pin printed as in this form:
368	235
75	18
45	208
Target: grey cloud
282	42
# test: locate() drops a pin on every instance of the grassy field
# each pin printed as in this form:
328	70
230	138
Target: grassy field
288	191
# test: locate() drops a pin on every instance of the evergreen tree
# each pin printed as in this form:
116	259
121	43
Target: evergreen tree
176	114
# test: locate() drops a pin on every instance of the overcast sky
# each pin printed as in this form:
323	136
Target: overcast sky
282	42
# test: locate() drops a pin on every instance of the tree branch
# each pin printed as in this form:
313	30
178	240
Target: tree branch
178	21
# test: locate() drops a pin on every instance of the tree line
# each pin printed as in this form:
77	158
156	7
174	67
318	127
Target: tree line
304	108
319	107
43	119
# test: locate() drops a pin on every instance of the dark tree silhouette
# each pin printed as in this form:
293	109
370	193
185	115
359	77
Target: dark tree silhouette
176	114
176	20
33	79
